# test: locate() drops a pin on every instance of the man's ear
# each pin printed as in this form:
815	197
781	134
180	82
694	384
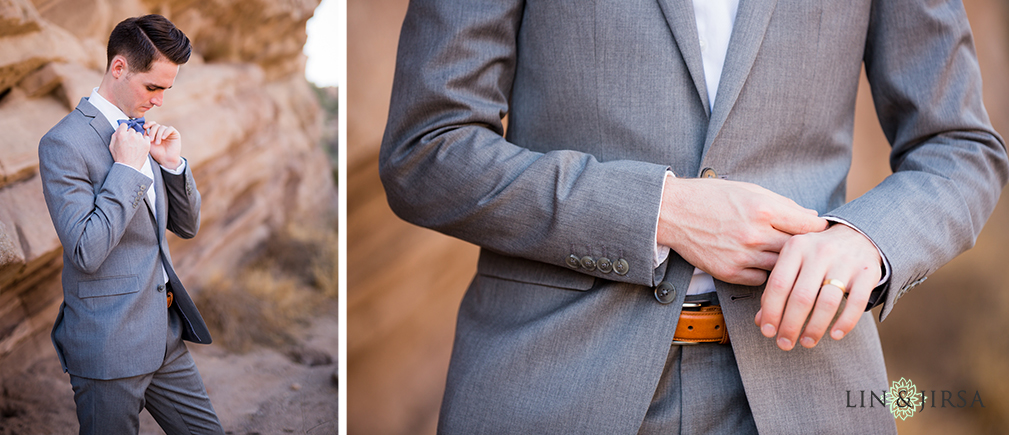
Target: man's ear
119	66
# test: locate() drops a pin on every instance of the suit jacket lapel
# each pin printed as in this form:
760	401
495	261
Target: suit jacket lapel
161	211
680	16
748	31
98	121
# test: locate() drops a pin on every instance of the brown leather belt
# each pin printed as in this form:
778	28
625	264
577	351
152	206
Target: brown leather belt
703	324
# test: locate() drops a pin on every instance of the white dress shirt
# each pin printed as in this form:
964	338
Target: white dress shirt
113	114
715	19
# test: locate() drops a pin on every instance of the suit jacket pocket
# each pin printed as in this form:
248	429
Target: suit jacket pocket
116	285
532	272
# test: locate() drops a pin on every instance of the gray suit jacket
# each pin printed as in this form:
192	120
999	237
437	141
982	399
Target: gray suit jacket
113	321
602	98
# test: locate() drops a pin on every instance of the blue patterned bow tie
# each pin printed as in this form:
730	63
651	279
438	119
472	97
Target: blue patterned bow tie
136	124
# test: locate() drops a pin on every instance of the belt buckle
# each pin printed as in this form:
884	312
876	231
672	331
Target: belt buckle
692	306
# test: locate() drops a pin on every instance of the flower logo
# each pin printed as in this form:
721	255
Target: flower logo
904	397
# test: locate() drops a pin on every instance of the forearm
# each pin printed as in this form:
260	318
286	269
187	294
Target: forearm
89	225
948	164
183	201
445	164
544	207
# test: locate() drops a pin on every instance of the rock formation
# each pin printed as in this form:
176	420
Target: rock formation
249	120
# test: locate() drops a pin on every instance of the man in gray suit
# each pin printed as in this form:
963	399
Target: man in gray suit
674	172
114	184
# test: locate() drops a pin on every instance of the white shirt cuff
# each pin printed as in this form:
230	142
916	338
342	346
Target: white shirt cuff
135	169
177	171
661	252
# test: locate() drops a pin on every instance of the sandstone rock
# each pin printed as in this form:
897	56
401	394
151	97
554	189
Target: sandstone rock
23	53
83	18
13	325
23	122
41	81
18	16
25	211
76	82
12	258
28	312
95	51
253	188
268	33
216	107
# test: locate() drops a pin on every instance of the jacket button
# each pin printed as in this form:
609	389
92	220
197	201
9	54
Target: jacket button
573	261
604	265
665	293
708	173
161	288
588	263
621	267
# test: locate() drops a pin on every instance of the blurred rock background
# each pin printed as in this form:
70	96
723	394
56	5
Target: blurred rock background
405	283
263	267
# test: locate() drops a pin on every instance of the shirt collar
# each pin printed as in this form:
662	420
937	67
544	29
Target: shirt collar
109	110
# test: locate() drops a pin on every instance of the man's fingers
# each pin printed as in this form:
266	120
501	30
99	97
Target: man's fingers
765	260
827	303
751	277
860	288
167	132
158	133
800	303
779	285
118	134
152	133
800	222
773	241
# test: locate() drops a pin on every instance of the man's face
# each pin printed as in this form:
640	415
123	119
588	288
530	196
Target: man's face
137	92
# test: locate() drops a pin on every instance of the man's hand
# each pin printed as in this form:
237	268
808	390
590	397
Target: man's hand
729	229
166	144
797	288
130	147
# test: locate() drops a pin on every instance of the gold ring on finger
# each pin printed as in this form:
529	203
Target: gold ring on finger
836	283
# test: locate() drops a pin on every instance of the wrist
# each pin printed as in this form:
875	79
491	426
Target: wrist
172	165
858	239
668	209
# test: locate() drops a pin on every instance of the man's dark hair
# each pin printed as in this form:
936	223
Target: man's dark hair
142	39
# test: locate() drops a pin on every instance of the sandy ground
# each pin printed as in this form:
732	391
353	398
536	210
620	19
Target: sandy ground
260	392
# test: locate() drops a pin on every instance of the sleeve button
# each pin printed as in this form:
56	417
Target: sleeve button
621	267
604	265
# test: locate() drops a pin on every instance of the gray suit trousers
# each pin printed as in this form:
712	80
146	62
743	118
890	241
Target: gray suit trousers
174	395
700	392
